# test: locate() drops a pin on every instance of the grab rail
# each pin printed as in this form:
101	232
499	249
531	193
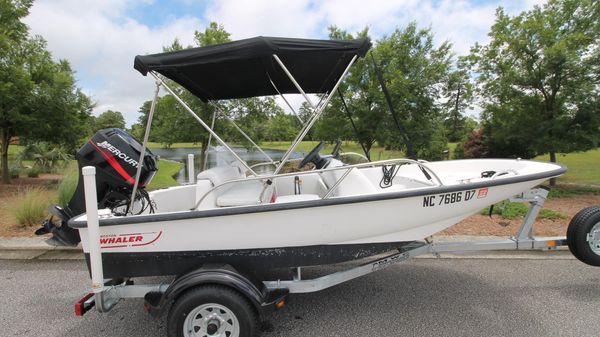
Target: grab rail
348	168
501	173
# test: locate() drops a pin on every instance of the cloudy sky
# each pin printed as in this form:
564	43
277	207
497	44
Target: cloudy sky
101	37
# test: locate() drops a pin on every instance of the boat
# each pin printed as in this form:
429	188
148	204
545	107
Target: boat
232	215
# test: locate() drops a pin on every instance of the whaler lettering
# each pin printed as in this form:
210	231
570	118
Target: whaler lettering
121	239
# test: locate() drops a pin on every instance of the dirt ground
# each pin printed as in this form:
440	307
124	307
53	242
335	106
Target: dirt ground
474	225
496	225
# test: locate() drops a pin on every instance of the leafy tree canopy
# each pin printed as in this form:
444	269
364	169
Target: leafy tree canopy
109	119
539	80
38	96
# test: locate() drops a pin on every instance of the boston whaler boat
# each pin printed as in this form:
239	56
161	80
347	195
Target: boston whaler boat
233	222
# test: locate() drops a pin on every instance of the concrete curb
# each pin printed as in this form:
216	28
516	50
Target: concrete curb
37	247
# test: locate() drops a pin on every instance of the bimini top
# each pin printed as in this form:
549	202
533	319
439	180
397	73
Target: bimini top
243	68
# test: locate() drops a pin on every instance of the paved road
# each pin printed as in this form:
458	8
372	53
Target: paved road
424	297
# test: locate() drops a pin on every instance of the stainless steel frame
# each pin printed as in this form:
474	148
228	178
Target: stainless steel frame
210	131
331	189
318	110
144	144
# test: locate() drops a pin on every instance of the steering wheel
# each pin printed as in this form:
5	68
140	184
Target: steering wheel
313	156
336	149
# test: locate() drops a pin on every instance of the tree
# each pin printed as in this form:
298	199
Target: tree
416	74
361	95
38	97
109	119
539	80
459	95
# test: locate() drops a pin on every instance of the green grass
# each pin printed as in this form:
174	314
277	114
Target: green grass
154	145
583	168
567	191
68	184
165	177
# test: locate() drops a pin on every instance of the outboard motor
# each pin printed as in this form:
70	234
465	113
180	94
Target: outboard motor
115	154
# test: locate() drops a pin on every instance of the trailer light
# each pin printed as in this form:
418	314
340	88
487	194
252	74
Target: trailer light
551	243
81	307
280	304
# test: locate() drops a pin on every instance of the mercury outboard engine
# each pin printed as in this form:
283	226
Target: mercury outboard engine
115	154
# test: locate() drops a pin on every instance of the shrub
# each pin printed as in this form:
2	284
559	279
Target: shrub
46	156
29	207
474	146
14	172
68	184
33	172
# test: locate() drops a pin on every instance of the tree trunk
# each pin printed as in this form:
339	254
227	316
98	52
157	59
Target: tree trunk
4	143
553	159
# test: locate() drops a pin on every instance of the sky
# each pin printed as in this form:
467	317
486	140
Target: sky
100	38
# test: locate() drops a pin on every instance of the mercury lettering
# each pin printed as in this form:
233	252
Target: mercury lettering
118	153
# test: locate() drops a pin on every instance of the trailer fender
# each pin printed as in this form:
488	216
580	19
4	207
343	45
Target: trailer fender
260	297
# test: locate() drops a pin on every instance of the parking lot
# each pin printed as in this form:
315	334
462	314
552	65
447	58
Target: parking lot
423	297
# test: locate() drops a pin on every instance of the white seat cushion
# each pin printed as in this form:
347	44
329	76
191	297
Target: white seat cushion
295	198
220	174
241	194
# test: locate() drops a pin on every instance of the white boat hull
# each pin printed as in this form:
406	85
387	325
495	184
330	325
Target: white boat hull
369	223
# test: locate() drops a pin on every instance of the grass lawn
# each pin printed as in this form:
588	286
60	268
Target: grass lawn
154	145
582	167
165	177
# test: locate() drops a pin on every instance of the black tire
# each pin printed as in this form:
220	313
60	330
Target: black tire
577	232
223	296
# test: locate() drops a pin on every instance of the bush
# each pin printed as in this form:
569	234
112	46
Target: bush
46	156
68	184
473	147
13	172
29	208
33	172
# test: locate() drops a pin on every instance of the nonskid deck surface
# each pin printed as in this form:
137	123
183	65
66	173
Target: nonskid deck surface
118	265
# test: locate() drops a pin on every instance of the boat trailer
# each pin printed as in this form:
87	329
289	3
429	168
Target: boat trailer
212	281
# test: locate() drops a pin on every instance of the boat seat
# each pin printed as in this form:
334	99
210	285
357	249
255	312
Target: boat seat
220	174
296	197
243	194
355	183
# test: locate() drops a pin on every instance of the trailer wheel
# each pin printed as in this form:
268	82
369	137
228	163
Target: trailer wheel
212	311
583	235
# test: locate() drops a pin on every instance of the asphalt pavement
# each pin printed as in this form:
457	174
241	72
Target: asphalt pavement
422	297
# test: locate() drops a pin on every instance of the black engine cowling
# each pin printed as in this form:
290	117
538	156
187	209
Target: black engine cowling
115	154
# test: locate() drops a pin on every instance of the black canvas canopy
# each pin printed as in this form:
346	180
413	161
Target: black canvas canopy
243	68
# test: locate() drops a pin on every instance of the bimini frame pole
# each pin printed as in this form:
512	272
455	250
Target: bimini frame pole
287	72
317	113
212	126
186	107
144	144
245	135
285	100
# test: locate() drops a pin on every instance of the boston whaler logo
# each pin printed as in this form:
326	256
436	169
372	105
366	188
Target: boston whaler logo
128	240
117	153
